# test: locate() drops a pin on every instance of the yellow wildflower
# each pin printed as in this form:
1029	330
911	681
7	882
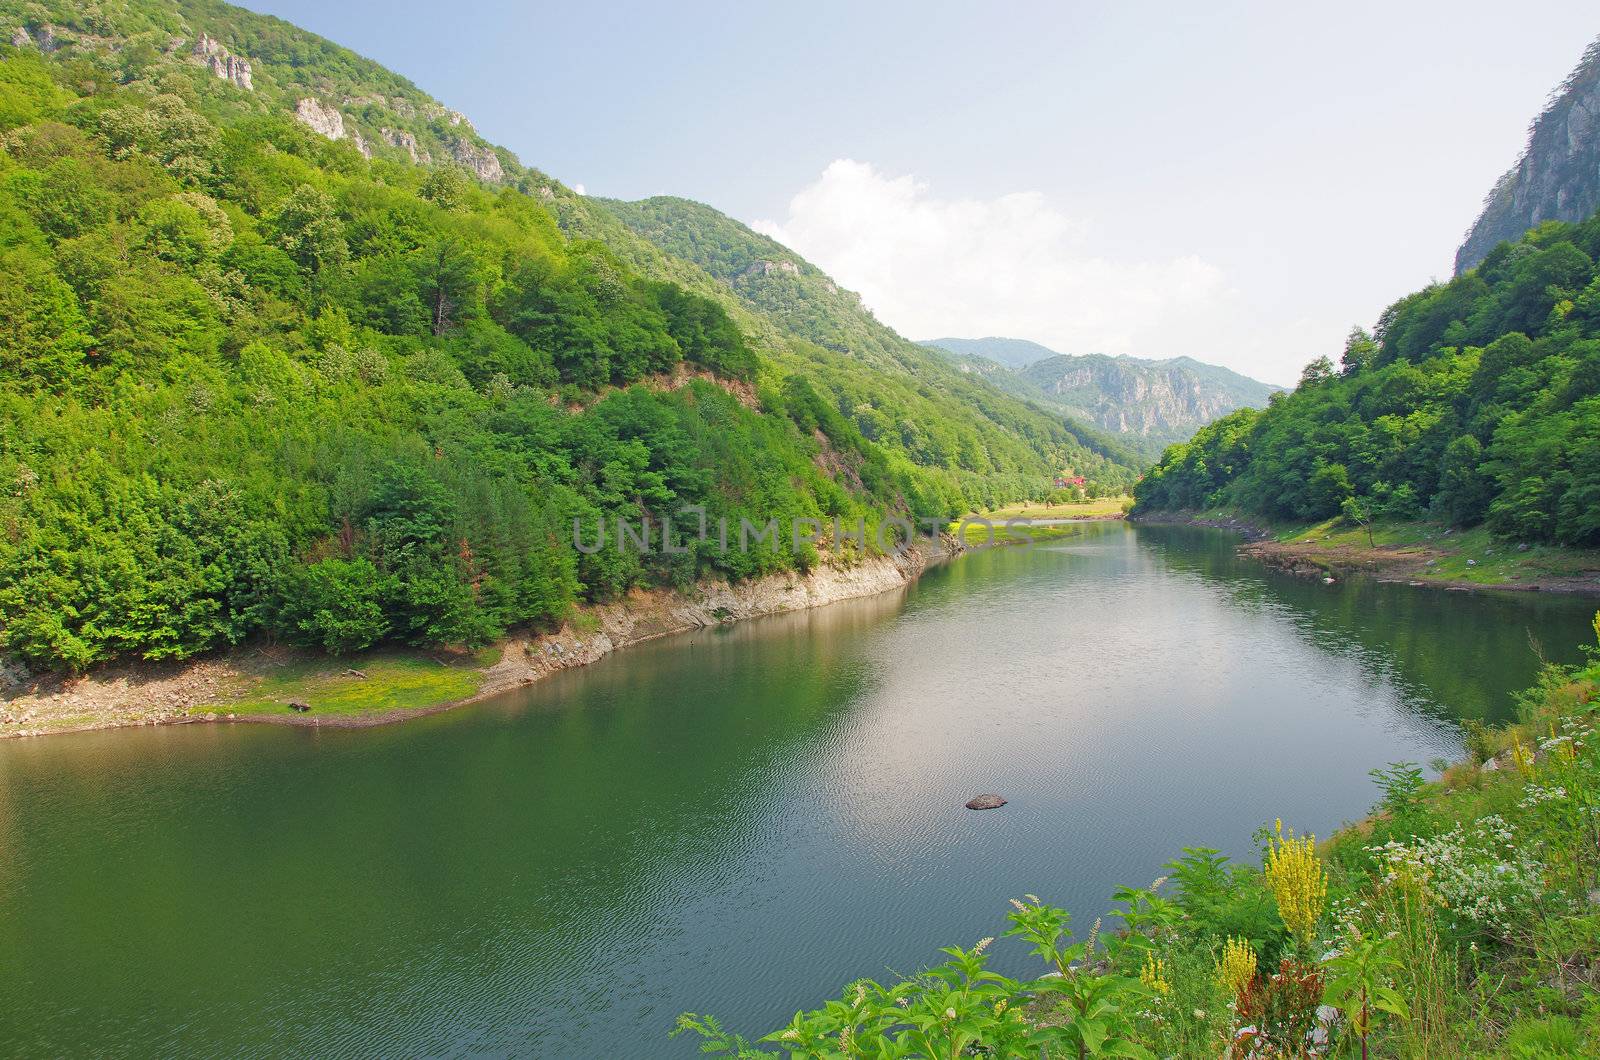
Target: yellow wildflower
1298	882
1237	968
1154	974
1521	756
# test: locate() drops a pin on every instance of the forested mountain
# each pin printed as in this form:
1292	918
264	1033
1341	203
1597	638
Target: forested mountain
911	391
1558	176
270	370
1474	400
1148	404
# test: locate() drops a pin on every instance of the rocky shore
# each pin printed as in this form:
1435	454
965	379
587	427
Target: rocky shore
1440	560
201	690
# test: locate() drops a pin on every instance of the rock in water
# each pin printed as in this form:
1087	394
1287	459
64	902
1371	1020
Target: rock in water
986	802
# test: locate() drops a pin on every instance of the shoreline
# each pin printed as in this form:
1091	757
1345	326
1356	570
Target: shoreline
1421	559
202	691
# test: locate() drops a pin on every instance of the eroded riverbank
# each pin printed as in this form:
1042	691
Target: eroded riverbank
257	684
1417	554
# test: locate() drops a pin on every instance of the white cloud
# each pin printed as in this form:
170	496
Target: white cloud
580	189
1016	265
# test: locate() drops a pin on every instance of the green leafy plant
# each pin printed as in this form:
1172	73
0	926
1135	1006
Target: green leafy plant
1360	982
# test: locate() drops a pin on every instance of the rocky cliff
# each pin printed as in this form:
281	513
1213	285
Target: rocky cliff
1153	399
1558	176
275	67
1156	402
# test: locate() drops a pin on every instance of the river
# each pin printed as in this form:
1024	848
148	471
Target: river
736	821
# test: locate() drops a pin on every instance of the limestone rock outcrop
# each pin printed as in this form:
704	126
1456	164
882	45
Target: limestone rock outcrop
1558	176
223	63
319	117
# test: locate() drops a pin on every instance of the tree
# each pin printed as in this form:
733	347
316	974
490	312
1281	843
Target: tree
45	336
1316	373
336	605
309	230
1357	511
446	187
448	279
1360	350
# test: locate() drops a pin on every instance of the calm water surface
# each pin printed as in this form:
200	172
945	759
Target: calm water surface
736	821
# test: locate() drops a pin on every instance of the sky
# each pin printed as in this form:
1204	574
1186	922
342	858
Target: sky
1237	182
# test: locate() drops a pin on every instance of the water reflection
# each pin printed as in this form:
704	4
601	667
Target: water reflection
738	820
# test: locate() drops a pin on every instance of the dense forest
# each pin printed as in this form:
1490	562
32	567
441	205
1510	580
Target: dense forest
914	399
258	381
1473	401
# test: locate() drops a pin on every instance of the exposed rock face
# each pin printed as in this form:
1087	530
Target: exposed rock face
42	37
1558	176
223	63
1153	399
767	268
408	142
319	117
480	160
361	143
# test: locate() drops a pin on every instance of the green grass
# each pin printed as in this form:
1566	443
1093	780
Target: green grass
392	682
1493	561
977	535
1101	506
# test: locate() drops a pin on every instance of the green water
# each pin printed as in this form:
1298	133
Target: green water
737	821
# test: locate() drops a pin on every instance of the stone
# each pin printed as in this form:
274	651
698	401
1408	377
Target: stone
223	63
986	802
1557	177
480	160
319	117
406	142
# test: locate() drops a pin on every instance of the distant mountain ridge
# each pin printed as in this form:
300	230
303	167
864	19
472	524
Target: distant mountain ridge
785	291
1558	176
1153	403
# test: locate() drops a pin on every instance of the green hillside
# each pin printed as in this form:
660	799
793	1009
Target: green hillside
1475	401
913	399
260	380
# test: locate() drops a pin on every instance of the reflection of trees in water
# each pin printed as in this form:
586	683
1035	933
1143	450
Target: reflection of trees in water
1457	654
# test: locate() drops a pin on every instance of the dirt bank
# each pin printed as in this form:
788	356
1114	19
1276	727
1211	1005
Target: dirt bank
1419	554
229	686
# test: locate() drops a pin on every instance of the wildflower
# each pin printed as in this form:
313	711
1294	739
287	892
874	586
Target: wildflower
1018	905
949	1013
983	944
1154	975
1237	968
1000	1006
1521	755
1298	882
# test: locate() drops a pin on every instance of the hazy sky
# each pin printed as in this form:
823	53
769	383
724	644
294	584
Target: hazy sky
1240	182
